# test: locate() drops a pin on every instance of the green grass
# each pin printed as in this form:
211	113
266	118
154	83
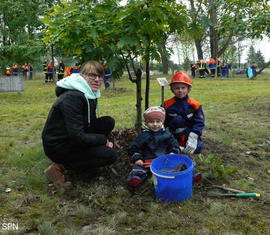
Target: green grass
237	129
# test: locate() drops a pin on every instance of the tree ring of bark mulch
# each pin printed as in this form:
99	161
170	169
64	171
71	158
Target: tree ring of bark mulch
117	173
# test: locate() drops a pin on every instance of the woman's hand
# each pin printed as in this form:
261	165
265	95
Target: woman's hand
139	162
109	144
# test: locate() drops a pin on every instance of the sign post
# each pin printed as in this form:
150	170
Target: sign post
162	82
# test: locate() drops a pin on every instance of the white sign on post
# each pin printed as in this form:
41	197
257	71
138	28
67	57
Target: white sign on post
162	81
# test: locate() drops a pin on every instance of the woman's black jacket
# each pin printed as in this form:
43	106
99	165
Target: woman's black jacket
68	122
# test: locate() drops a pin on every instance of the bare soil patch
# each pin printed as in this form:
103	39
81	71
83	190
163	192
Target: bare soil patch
118	172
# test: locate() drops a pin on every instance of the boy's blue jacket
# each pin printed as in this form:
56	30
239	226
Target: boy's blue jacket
150	144
184	115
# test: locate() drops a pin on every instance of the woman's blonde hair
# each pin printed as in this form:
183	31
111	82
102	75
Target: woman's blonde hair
92	65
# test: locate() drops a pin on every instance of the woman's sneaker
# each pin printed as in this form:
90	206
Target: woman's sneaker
55	173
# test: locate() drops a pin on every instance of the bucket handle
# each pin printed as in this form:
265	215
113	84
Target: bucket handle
162	176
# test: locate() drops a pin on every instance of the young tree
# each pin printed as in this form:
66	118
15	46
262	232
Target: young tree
120	34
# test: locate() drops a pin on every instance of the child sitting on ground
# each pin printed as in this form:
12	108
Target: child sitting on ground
184	115
151	143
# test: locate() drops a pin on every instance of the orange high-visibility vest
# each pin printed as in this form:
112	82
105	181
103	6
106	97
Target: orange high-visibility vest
8	72
67	71
212	61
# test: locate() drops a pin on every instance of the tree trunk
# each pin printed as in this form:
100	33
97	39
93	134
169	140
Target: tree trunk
138	124
52	54
4	38
213	32
225	45
147	84
198	44
164	58
198	41
147	80
113	82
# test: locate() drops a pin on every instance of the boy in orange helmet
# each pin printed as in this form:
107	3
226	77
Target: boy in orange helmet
184	115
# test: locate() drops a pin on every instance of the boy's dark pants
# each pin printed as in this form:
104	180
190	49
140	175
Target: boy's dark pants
213	72
202	72
94	156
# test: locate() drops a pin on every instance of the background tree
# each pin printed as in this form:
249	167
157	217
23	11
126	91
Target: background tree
260	59
257	14
20	34
186	64
256	57
251	56
214	23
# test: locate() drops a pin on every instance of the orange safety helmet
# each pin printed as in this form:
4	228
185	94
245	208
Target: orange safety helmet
181	77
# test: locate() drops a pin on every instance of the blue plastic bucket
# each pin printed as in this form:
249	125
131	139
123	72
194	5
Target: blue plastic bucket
172	185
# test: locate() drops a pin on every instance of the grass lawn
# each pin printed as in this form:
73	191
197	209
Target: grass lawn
237	153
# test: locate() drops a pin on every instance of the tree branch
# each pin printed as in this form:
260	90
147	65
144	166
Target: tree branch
129	74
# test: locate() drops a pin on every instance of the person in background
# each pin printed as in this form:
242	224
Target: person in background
251	70
15	70
184	115
8	71
107	74
75	69
30	67
218	61
73	137
45	71
153	142
224	70
193	68
60	70
201	67
212	66
51	70
24	70
67	71
254	69
229	69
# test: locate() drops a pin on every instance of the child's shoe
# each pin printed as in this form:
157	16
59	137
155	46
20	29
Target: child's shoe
134	182
55	173
137	176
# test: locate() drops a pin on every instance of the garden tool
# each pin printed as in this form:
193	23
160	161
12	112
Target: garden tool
146	163
228	189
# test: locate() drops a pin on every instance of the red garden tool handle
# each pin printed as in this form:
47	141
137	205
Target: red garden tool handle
146	163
